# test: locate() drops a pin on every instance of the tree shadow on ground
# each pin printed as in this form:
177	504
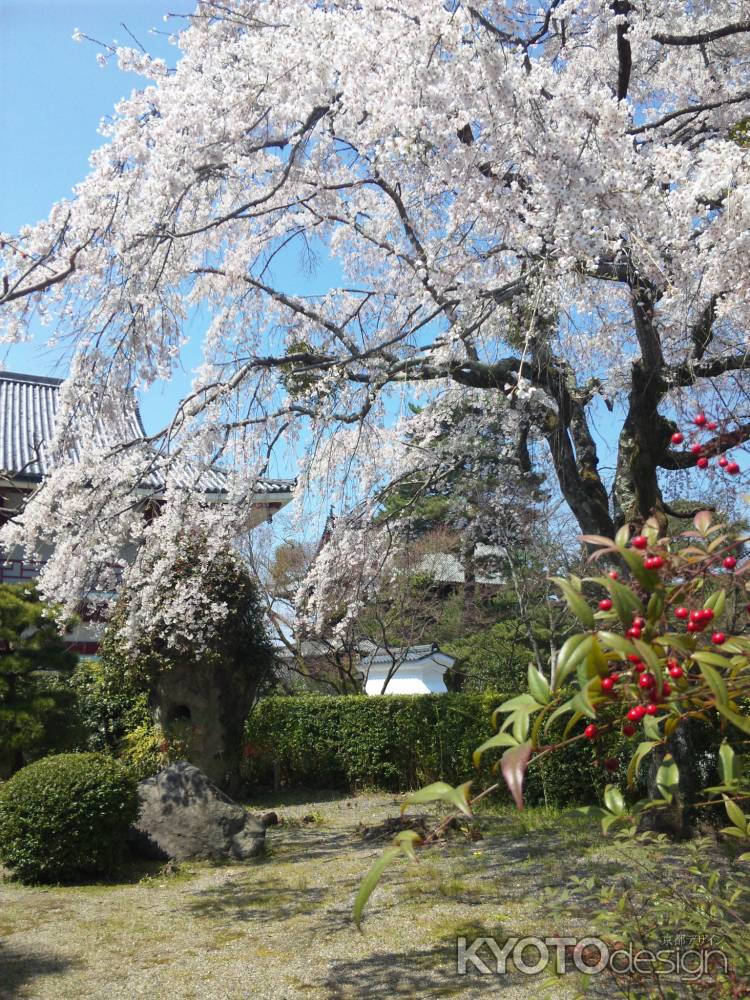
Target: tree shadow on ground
264	899
20	968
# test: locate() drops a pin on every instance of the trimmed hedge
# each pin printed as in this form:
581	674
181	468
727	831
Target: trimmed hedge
399	742
66	817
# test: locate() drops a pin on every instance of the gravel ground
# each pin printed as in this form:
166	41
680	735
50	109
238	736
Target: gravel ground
280	927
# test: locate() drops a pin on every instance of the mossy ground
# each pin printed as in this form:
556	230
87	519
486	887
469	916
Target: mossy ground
280	926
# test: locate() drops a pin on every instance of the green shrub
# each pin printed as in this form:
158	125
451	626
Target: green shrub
398	742
109	704
66	817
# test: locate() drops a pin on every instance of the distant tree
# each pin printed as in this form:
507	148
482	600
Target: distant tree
35	661
289	566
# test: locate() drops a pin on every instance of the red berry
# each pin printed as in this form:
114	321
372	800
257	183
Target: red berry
611	763
677	438
733	469
646	680
696	449
639	542
696	615
719	638
607	684
640	667
700	420
681	613
723	462
707	614
653	562
639	622
676	671
702	463
633	713
640	711
695	626
666	689
635	658
605	605
730	562
628	728
591	731
651	709
712	425
614	575
633	633
615	678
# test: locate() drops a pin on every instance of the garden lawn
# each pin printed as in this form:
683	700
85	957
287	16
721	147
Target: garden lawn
280	927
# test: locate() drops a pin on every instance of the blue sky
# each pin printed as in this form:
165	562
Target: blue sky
54	95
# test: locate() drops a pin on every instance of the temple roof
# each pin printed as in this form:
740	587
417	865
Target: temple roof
28	415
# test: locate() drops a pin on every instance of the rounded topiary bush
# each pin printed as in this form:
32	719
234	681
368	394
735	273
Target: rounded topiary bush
66	817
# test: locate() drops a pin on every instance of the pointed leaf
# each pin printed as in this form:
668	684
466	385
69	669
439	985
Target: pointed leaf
576	602
613	799
498	740
538	685
513	765
440	791
728	763
668	778
735	814
716	682
371	879
566	665
740	721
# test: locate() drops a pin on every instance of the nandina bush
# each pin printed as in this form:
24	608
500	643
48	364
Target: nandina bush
66	817
662	655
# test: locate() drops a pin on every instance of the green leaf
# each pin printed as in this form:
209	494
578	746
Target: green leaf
440	791
647	654
668	778
740	721
576	602
716	682
538	685
513	766
567	706
714	658
406	841
728	763
622	537
635	761
655	607
735	814
582	703
613	799
625	601
611	640
520	726
717	602
371	879
572	658
526	702
646	577
498	740
651	727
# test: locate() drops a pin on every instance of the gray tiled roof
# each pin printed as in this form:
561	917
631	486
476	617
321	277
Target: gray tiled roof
402	654
28	412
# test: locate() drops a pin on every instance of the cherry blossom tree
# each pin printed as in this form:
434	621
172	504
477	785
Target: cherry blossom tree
546	207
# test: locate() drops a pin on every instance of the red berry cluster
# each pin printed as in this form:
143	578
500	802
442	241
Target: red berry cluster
702	422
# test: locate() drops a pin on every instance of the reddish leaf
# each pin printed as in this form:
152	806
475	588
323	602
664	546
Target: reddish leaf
513	765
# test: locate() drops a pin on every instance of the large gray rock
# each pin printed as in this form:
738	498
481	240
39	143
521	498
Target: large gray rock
184	816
